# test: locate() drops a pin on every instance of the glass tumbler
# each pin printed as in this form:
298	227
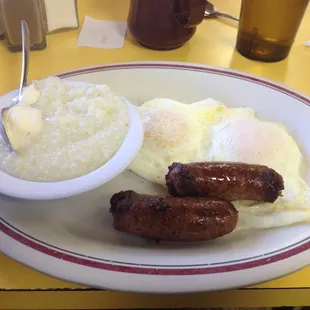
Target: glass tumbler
267	28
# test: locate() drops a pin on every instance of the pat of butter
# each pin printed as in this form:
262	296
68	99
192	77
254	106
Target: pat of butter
30	95
25	119
23	122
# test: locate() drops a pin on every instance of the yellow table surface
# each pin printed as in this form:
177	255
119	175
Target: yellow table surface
213	44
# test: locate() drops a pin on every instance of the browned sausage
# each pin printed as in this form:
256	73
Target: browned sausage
172	218
231	181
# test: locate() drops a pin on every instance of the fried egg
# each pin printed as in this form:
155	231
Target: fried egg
256	142
173	131
209	131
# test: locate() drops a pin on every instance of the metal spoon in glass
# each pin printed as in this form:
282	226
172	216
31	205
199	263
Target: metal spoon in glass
23	80
211	11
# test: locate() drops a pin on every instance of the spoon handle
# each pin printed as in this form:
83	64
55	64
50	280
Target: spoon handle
228	16
25	56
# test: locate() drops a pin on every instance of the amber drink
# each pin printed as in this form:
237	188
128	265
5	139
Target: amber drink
267	28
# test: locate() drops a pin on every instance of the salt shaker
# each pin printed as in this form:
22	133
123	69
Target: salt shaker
60	15
12	13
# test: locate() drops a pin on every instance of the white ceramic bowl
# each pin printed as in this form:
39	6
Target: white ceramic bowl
132	143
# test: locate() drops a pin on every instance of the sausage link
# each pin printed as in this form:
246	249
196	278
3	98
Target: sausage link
231	181
172	218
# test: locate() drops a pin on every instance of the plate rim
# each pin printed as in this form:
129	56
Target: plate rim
4	229
163	270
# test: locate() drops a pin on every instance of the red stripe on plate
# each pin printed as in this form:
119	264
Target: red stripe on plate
151	271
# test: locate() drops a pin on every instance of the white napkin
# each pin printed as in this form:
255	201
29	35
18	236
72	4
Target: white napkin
307	43
102	33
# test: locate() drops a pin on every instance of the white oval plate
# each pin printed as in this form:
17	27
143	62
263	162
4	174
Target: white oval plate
73	238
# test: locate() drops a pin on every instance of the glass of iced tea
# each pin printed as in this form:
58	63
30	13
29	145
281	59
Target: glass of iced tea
267	28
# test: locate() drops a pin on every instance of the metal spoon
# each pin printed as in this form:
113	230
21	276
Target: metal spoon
23	79
211	11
